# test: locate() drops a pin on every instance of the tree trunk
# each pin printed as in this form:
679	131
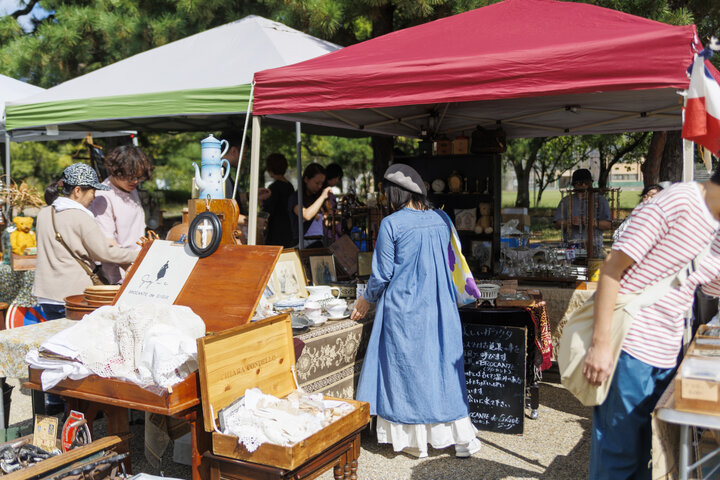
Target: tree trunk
523	186
382	19
382	23
671	165
382	155
603	177
651	166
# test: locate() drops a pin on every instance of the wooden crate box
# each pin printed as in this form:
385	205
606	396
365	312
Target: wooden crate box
262	355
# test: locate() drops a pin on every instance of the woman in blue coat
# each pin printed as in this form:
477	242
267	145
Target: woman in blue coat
413	375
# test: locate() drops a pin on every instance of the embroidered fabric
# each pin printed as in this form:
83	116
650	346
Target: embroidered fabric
147	344
259	418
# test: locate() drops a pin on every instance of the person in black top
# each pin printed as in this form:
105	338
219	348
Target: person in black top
333	178
314	194
278	228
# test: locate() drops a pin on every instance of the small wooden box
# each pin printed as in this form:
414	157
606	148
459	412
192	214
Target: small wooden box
698	395
461	145
22	262
261	355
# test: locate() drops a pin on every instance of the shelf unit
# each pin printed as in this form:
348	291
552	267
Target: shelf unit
480	173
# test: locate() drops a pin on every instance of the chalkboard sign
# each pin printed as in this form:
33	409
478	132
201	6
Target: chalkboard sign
495	376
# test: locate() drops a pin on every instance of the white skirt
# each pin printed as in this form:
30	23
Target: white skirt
417	436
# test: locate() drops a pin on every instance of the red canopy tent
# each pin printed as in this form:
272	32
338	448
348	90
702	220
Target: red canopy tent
539	67
533	67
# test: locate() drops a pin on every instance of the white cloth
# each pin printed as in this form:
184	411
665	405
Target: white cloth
146	344
54	371
260	418
439	435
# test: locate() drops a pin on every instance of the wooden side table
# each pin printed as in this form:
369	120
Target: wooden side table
342	457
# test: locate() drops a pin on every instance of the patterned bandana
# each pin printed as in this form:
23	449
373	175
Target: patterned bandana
81	175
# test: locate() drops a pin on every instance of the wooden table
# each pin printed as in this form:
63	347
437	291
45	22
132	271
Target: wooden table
330	363
342	457
115	398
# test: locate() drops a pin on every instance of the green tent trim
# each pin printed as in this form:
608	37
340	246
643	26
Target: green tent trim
206	101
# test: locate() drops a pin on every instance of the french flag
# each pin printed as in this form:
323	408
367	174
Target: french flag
702	108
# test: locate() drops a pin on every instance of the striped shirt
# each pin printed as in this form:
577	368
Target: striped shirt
662	236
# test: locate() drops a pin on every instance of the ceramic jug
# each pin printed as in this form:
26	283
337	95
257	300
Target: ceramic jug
322	292
211	180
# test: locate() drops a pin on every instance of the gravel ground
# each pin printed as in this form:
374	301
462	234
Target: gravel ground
555	446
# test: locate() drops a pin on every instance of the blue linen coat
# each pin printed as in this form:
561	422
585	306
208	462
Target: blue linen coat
413	371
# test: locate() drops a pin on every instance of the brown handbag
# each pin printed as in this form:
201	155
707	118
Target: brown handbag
96	275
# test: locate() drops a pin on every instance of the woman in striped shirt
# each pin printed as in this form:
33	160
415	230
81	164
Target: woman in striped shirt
662	236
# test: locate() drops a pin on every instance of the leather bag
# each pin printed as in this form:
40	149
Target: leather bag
97	276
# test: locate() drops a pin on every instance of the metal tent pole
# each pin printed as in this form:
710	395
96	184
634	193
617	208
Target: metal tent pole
254	174
298	153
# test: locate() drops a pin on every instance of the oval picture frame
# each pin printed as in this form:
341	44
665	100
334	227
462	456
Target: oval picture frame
205	223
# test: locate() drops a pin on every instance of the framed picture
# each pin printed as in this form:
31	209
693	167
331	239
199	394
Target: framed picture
364	260
465	218
305	255
287	279
323	270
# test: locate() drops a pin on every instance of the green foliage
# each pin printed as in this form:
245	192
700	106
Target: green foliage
41	163
613	149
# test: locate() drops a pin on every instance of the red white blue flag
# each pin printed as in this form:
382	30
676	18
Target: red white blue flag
702	108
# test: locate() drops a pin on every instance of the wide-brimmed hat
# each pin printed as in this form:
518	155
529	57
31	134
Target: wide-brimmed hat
406	177
81	175
581	175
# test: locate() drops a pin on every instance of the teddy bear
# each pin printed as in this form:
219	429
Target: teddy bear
484	222
22	238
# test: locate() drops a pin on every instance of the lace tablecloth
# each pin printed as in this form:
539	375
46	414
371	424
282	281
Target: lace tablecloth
15	343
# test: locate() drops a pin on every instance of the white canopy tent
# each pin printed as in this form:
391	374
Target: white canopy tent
199	83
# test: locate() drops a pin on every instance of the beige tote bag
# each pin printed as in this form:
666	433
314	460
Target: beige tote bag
577	336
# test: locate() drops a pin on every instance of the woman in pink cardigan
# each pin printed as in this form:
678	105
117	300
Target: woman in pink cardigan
117	209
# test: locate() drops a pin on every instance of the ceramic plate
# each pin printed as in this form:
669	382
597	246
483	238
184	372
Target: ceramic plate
346	315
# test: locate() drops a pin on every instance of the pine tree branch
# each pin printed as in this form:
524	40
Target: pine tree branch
28	8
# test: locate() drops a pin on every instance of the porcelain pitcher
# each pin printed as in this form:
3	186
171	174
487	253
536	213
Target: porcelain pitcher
322	292
211	180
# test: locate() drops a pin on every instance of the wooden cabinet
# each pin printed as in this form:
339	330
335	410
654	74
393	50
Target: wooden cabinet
478	176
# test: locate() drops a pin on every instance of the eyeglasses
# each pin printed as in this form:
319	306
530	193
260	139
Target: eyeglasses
132	179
